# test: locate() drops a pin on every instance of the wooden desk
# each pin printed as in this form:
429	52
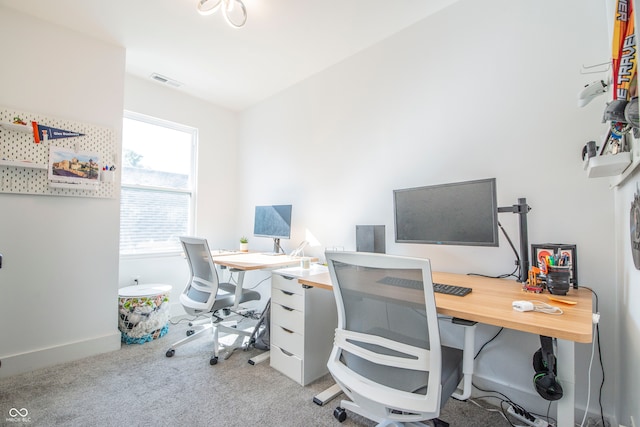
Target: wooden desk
242	262
245	261
490	303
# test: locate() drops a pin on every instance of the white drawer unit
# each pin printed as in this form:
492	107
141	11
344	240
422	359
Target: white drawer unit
303	322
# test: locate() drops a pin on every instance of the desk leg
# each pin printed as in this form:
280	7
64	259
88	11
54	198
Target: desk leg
467	363
238	287
566	378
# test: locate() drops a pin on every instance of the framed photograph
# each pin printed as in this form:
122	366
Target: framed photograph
540	252
73	167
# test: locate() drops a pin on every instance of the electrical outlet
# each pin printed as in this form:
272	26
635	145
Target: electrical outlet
526	417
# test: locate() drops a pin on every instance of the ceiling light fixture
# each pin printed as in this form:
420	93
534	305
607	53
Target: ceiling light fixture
233	10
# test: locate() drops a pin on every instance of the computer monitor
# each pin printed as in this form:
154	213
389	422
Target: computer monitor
461	213
273	221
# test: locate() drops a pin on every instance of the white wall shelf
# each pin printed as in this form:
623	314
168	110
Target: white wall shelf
618	167
607	165
22	164
70	186
16	127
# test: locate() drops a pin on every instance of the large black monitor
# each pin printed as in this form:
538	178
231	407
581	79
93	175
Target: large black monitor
461	213
273	221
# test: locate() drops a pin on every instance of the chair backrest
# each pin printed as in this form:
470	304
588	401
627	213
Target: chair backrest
199	294
387	345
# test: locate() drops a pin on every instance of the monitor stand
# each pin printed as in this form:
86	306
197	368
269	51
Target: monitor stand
276	247
522	209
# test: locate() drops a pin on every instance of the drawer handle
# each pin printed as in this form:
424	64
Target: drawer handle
287	330
286	352
286	308
286	292
288	277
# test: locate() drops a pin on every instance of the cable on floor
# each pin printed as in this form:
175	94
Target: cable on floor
506	399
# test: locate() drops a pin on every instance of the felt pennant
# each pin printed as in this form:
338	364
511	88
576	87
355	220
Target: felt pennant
43	133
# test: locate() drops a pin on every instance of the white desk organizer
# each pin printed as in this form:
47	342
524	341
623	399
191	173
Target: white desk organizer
24	164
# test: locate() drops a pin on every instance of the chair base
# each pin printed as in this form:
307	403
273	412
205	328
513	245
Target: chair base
340	413
216	325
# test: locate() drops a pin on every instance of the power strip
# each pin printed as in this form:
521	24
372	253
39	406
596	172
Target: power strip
526	417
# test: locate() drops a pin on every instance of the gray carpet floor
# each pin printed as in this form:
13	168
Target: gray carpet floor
138	386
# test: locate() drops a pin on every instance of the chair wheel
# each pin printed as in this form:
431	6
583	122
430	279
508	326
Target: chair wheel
340	414
170	352
214	360
190	332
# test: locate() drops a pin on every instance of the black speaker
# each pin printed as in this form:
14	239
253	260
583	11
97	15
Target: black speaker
544	364
370	238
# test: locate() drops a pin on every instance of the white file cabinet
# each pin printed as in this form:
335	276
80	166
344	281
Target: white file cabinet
303	322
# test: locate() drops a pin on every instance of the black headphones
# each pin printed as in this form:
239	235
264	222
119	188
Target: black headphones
544	363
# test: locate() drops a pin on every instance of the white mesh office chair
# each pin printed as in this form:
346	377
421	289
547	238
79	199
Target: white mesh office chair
387	357
203	294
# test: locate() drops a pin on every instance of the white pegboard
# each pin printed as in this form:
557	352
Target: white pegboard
24	164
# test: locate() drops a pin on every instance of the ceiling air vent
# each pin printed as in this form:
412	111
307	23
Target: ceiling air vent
165	80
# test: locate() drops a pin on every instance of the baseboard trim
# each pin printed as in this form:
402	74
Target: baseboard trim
176	310
43	358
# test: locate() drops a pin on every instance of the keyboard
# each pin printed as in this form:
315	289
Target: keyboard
458	291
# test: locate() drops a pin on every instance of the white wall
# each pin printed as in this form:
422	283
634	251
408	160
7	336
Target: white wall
482	89
58	303
628	294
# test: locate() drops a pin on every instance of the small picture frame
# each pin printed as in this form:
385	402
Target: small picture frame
539	252
73	167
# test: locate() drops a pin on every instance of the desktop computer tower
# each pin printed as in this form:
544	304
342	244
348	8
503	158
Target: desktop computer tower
370	238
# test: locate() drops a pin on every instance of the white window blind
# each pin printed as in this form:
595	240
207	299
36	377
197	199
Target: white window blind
158	185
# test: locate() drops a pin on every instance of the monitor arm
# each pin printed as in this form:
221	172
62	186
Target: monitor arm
521	209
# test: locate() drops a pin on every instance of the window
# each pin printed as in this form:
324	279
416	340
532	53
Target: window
158	185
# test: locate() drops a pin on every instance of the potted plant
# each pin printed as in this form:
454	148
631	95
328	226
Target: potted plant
244	244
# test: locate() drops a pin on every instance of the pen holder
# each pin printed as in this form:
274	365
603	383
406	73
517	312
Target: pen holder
107	176
558	279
